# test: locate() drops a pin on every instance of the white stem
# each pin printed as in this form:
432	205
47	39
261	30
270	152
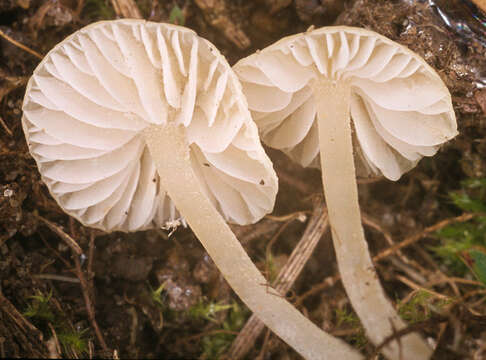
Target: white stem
358	274
171	154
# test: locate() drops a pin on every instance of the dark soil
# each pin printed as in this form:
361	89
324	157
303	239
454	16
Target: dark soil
123	271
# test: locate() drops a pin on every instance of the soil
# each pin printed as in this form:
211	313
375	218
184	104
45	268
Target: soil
109	292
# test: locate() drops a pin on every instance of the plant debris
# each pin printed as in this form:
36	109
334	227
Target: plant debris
132	295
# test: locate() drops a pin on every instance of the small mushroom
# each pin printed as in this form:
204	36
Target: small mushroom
137	125
303	92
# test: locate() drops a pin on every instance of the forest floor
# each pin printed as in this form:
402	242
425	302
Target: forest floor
148	295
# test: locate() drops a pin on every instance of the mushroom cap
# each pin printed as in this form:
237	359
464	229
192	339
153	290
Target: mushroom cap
89	100
400	107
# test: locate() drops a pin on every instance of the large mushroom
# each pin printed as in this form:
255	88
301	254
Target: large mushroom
136	125
303	92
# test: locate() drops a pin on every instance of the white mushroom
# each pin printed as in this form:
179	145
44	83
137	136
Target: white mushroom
136	125
304	90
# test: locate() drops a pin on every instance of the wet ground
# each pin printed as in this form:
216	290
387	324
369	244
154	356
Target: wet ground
147	295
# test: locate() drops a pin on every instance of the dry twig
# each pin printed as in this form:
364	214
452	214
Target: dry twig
126	9
77	252
331	281
9	132
89	267
21	331
414	238
300	255
67	239
432	322
89	305
417	287
217	14
21	46
56	278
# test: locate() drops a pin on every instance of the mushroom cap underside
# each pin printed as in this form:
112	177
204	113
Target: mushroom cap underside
89	100
400	107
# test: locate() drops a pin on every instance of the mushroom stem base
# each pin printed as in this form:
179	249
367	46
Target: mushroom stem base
171	154
358	274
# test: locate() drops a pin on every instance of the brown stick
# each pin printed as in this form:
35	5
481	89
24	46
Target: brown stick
21	46
77	252
414	238
67	239
89	268
17	317
9	132
126	9
288	274
330	281
89	305
28	336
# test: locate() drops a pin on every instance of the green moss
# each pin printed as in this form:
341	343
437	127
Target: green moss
421	306
216	344
74	342
176	16
455	239
156	295
350	319
39	308
207	310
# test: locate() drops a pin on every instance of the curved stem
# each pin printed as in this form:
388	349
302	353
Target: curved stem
358	274
168	147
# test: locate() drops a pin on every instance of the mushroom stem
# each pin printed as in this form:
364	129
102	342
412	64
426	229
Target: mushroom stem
169	149
358	274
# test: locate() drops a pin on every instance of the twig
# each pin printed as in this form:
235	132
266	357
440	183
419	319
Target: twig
126	9
89	268
58	351
22	46
25	334
88	292
246	234
407	263
300	255
414	238
36	21
261	354
89	305
471	294
56	277
218	14
429	259
330	281
17	317
458	280
90	349
415	286
408	270
9	132
67	239
367	221
299	215
77	252
66	263
79	8
397	334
